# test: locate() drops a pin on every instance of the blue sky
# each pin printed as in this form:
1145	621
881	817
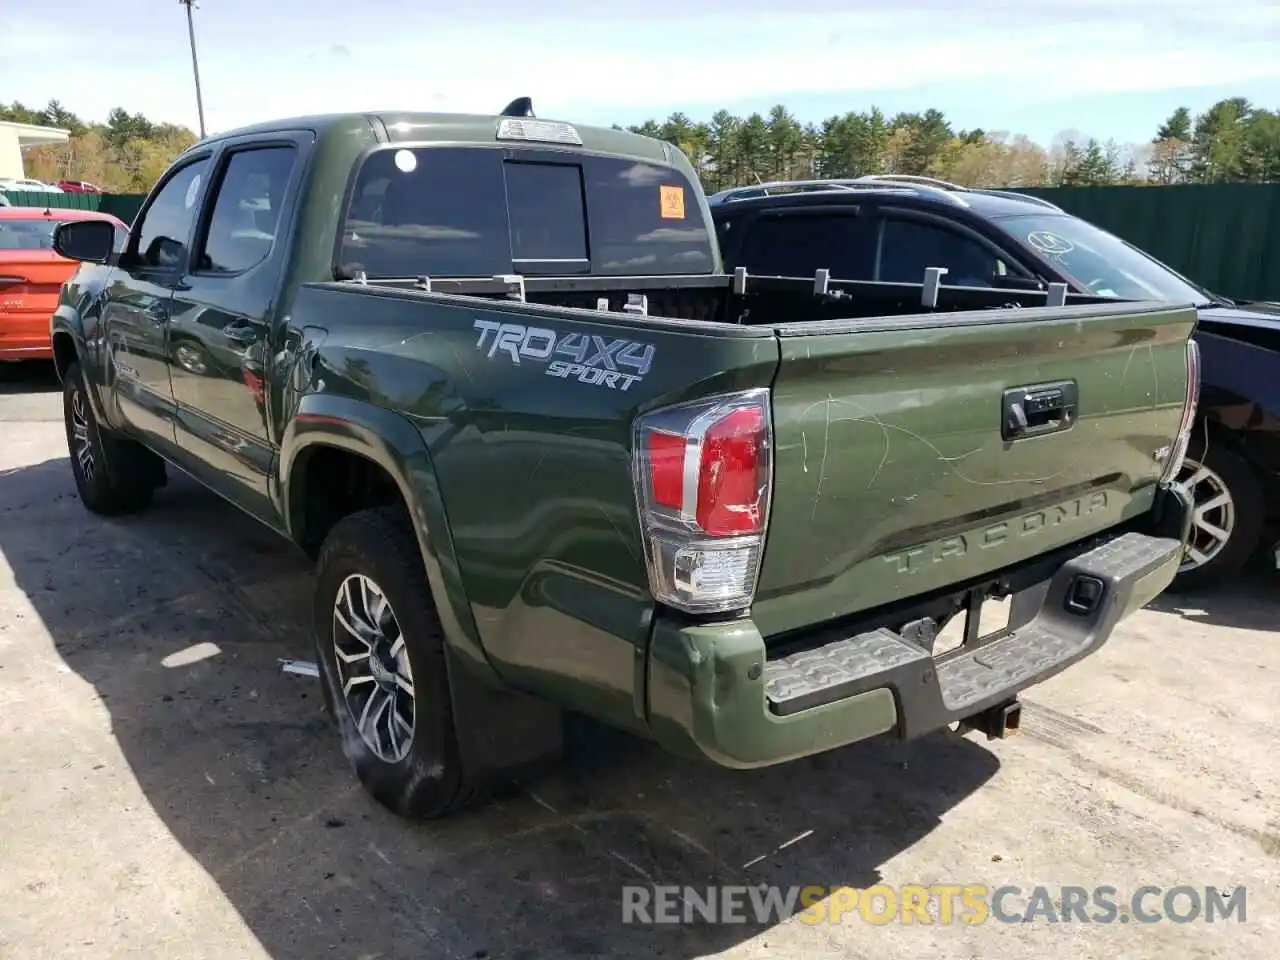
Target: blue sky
1105	68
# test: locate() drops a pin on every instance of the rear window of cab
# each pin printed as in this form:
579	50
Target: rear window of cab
476	211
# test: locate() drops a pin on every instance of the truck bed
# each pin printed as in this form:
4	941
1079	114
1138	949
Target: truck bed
893	472
734	298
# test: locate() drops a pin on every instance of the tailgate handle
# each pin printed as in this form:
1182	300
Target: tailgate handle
1040	408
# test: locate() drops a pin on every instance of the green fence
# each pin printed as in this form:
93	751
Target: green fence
123	205
1223	236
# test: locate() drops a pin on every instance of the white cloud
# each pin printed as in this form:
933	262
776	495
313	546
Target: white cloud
589	68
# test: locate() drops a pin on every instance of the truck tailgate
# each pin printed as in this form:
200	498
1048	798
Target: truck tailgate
895	475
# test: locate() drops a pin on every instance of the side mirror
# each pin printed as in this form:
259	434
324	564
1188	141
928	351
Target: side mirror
89	241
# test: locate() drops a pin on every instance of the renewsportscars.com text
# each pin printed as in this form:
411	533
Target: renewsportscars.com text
937	903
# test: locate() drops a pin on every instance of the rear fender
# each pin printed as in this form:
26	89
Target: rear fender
392	442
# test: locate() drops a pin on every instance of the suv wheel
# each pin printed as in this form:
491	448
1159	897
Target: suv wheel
380	649
113	475
1228	516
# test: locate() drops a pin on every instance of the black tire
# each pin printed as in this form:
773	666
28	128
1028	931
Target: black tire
113	475
1236	475
428	781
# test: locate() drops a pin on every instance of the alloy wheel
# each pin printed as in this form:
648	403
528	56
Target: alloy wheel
189	359
1213	517
373	667
82	440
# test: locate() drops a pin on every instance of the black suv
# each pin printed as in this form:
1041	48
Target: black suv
892	228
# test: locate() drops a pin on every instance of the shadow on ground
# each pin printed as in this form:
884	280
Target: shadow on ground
177	617
1247	601
28	376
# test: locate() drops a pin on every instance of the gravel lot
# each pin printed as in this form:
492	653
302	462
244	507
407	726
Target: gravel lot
166	792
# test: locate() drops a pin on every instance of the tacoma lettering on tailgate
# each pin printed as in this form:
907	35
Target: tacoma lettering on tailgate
953	548
598	361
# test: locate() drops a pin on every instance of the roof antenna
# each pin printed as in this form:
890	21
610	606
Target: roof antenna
519	107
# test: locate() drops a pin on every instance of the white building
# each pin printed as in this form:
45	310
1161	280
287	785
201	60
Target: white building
14	137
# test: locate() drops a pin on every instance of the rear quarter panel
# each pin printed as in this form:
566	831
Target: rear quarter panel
533	469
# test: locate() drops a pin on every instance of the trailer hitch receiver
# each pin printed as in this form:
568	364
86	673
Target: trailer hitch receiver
998	723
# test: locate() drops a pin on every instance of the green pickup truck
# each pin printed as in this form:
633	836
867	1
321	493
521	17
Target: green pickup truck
489	372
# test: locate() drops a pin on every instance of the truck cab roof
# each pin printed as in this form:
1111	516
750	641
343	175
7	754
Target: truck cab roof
399	126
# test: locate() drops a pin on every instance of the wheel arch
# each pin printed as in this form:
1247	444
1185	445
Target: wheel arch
67	338
390	455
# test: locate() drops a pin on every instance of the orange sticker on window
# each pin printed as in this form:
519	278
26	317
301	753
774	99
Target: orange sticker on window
672	202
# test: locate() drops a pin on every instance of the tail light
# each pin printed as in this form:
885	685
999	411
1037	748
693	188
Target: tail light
703	477
1189	405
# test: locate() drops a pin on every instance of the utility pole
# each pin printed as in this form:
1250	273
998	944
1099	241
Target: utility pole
195	62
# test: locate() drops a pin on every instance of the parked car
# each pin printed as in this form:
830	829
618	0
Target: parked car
79	186
32	274
536	439
889	228
27	185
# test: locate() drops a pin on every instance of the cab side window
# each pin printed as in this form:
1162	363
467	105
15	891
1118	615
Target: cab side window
910	246
798	245
164	231
246	209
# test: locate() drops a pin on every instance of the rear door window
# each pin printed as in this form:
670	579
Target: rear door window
798	245
32	234
459	212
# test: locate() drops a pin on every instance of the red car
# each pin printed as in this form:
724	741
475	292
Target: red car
79	186
31	276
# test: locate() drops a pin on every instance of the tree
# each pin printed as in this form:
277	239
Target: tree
1233	140
1219	141
126	154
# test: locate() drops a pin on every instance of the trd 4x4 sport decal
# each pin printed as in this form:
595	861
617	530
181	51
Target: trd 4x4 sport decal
590	359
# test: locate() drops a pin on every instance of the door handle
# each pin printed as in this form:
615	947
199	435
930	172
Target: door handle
1038	409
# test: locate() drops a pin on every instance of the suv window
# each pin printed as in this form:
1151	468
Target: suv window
439	211
909	246
162	235
246	209
798	245
1102	263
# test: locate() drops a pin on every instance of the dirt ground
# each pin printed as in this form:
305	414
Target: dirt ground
165	791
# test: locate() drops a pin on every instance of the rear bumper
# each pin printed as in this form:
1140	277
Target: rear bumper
25	337
34	352
714	692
